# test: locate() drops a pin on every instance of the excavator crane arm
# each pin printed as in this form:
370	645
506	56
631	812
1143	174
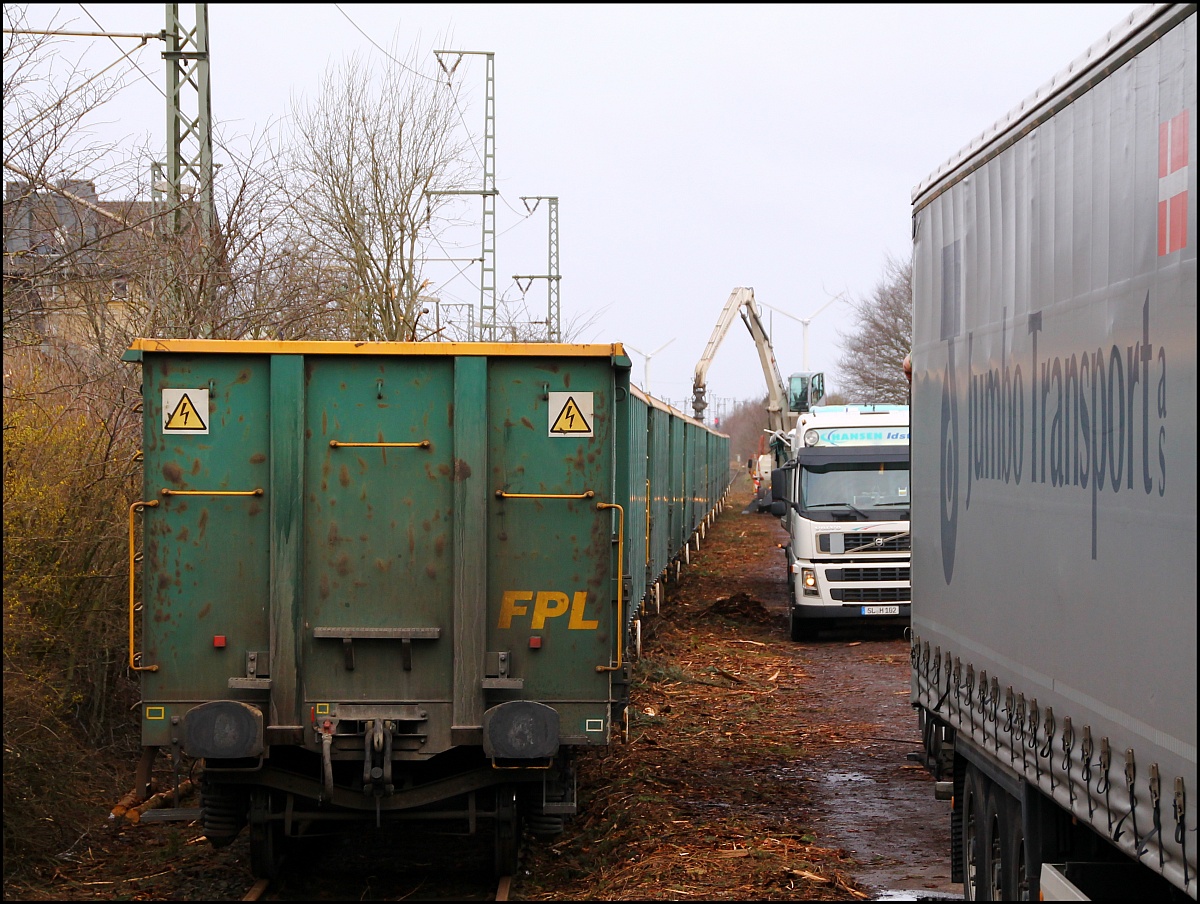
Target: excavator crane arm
736	300
741	301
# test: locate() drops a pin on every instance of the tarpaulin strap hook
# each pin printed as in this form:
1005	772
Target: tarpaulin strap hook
1130	778
1155	813
1085	755
1068	742
1103	783
1177	808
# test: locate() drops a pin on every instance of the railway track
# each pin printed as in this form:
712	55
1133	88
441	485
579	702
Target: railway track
391	863
260	888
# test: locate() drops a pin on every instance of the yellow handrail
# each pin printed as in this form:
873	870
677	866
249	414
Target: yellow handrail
620	584
168	492
647	543
586	494
137	507
134	508
423	444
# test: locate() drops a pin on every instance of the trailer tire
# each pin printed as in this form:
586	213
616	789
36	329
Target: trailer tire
994	847
974	803
1015	868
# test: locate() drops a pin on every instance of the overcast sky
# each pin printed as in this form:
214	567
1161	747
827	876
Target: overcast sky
693	149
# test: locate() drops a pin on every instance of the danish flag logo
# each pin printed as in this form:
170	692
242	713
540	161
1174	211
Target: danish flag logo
1172	183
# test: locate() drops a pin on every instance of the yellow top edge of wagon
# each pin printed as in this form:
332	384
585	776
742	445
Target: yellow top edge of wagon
342	347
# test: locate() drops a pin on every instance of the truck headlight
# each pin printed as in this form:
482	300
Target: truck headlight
811	437
808	580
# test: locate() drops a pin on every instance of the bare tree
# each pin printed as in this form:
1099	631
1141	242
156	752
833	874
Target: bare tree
373	149
52	220
873	352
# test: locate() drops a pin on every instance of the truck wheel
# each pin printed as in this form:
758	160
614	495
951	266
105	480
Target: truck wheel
974	799
799	628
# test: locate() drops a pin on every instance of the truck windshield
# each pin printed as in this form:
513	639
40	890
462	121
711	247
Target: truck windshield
831	491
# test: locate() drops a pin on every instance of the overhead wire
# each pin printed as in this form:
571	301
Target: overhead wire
462	118
242	160
125	55
381	50
453	100
216	140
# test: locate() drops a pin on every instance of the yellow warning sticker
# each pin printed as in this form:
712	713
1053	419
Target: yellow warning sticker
571	414
185	410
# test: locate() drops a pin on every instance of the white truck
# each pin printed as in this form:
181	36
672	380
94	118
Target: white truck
1053	638
843	497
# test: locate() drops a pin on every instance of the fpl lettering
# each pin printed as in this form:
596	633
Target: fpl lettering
547	604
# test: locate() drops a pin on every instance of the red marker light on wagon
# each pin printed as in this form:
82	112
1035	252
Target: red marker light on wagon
535	643
219	641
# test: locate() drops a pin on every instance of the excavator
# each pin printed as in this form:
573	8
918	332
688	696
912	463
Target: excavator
785	403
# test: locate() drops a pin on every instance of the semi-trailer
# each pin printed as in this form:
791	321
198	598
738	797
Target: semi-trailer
1053	454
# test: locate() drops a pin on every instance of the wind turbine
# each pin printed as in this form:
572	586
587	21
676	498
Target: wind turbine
647	357
805	321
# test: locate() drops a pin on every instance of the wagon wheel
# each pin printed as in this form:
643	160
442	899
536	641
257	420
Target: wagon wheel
266	837
507	831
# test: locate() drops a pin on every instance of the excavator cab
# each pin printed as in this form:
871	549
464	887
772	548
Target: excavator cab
805	391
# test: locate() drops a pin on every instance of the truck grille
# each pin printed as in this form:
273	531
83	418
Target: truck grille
871	594
878	542
864	575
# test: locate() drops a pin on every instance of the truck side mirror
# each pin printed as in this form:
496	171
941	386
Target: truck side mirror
781	486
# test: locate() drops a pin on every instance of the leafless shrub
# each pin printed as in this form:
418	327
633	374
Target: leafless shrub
873	352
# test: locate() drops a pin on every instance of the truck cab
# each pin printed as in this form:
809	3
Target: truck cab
844	498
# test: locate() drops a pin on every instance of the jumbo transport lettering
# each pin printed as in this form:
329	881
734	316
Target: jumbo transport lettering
1093	417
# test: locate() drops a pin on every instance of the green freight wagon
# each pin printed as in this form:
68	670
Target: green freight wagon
386	579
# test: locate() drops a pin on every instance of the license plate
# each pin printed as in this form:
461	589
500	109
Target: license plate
880	610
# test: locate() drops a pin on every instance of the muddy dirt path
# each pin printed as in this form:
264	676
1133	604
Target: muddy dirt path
867	797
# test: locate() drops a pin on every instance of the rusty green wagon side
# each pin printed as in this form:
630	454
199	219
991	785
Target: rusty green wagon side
385	579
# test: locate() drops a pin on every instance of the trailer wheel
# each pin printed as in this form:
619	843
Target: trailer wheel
1015	877
974	799
994	850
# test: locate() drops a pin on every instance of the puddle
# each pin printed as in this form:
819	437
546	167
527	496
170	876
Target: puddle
847	777
875	804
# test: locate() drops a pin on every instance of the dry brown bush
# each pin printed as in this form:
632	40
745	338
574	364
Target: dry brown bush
69	450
